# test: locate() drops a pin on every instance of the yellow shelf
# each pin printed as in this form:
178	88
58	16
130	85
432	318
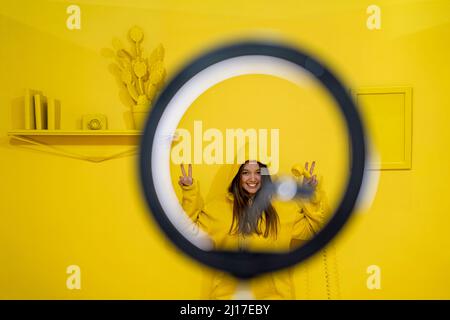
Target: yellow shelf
57	141
74	133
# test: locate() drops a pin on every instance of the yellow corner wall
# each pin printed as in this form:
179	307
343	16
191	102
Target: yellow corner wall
57	211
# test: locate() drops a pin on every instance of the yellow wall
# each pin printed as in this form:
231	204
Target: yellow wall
57	211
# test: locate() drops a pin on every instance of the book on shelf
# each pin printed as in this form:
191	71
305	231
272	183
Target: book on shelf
30	120
40	111
53	114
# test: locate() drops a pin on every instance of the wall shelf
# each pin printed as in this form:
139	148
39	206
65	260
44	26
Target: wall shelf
74	133
50	141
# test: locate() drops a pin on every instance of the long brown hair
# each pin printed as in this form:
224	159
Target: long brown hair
248	218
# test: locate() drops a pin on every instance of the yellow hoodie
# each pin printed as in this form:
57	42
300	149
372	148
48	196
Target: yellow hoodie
298	222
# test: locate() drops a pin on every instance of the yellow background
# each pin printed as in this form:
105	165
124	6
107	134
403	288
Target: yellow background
57	211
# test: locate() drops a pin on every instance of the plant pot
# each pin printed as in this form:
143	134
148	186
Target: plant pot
140	113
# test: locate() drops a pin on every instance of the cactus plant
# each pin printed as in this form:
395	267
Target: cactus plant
143	77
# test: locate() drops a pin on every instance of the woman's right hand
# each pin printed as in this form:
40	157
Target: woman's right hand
310	179
186	179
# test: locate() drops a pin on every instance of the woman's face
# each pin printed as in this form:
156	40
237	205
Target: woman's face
251	177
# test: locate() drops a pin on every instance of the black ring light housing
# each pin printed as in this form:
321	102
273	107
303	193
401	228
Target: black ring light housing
249	264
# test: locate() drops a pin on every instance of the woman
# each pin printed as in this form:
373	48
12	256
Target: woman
246	218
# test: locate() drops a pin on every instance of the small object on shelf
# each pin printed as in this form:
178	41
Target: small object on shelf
94	122
53	114
30	121
40	111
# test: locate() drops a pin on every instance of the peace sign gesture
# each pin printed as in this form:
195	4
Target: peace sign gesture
186	179
308	178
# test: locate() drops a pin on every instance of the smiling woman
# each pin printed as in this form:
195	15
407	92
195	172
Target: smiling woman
248	219
247	213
